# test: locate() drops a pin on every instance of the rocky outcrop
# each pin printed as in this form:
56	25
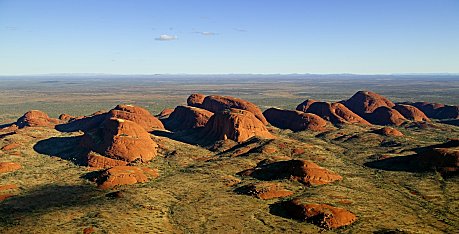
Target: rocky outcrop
11	146
294	120
388	131
195	100
336	113
234	124
121	140
303	171
36	118
123	175
364	102
66	117
9	167
411	113
136	114
164	113
98	161
447	112
220	103
187	117
429	109
83	123
437	110
322	215
265	190
443	158
304	106
386	116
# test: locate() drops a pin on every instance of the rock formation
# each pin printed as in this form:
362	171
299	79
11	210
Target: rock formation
447	112
9	167
294	120
187	117
36	118
388	131
436	110
429	109
386	116
265	190
83	123
11	146
122	175
336	113
234	124
322	215
443	158
305	105
364	102
122	140
164	113
411	113
220	103
303	171
66	117
136	114
98	161
195	100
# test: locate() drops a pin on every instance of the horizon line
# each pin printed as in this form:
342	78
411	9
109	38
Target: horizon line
227	74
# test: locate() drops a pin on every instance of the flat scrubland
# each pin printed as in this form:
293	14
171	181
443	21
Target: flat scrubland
196	189
85	95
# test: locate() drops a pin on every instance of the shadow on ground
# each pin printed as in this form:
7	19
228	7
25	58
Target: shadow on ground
46	199
400	163
66	148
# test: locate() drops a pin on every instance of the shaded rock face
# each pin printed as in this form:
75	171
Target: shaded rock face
265	190
66	117
9	128
322	215
304	106
136	114
121	175
386	116
164	113
195	100
303	171
122	140
9	167
411	113
36	118
447	112
364	102
84	123
98	161
443	158
336	113
437	110
187	117
234	124
220	103
387	131
294	120
429	109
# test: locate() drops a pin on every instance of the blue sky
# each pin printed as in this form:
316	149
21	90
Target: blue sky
229	36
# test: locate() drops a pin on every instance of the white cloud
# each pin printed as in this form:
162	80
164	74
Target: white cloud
166	37
207	33
240	29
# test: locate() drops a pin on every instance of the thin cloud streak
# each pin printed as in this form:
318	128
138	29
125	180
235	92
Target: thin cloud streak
166	37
